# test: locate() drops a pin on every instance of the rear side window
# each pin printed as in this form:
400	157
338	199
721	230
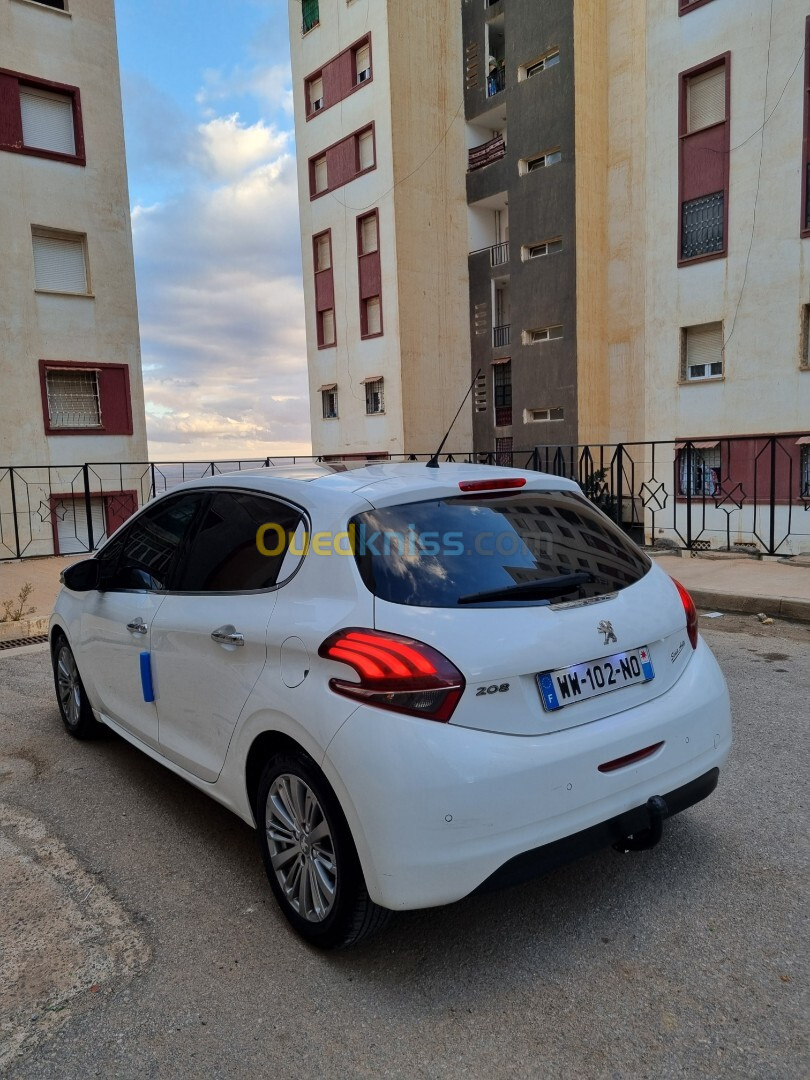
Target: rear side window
225	556
538	547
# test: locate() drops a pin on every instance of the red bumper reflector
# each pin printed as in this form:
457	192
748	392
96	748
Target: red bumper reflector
629	759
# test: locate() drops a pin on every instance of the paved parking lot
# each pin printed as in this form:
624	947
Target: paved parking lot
138	935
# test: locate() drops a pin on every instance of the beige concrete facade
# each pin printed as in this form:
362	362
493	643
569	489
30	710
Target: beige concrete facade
77	48
415	101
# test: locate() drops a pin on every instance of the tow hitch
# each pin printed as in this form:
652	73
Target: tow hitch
657	810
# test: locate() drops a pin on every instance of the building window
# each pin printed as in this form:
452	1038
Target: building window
47	120
326	328
362	63
40	118
367	233
60	262
371	321
503	452
320	177
538	251
702	226
502	393
375	400
323	252
702	352
329	400
804	338
690	5
85	399
539	161
545	333
699	470
534	416
310	15
60	5
704	159
366	158
73	399
804	472
548	60
314	94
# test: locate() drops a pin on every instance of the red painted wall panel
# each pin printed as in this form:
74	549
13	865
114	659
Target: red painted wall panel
10	116
370	275
114	398
324	290
704	159
338	76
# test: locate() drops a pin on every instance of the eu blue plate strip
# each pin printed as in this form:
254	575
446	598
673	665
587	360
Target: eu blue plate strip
146	677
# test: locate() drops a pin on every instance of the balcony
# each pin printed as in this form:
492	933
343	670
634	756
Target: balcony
480	156
499	254
501	336
496	81
503	415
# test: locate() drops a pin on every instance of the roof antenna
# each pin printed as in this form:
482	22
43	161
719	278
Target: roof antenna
434	461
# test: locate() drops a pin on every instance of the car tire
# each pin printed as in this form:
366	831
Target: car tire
310	857
74	708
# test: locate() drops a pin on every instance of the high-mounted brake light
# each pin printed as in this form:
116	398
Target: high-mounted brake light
493	485
691	613
396	673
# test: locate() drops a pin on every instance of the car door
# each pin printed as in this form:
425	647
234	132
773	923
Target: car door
116	622
209	636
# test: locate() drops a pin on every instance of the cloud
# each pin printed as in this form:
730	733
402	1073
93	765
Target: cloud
269	84
221	302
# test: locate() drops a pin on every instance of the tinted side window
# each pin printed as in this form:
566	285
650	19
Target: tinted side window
143	555
224	556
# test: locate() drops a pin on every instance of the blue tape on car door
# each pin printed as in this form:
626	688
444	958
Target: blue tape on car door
146	677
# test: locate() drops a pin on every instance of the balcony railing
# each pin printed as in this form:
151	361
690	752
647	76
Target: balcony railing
310	15
499	254
496	80
503	415
501	335
486	153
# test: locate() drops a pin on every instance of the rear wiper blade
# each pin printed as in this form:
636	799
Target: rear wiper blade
556	586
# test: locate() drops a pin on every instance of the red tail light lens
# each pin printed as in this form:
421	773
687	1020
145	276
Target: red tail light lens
691	613
395	673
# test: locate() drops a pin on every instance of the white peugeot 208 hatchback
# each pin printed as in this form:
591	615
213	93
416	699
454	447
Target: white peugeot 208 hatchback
416	683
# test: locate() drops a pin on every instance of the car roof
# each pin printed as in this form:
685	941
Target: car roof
379	484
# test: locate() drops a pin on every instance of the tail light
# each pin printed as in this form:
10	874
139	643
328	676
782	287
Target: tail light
395	673
691	613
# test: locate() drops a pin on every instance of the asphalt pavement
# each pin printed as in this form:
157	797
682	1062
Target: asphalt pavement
139	938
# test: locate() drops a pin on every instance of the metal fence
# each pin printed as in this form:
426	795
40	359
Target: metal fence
751	492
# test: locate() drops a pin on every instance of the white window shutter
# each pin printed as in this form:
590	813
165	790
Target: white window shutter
704	345
320	175
368	232
373	315
328	327
47	121
316	94
59	264
707	99
362	61
366	150
71	525
324	261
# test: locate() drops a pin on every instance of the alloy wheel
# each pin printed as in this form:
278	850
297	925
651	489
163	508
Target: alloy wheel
69	686
302	850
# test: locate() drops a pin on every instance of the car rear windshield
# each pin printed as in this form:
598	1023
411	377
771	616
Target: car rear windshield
537	547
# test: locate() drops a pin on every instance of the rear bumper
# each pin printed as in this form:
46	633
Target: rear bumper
438	811
532	864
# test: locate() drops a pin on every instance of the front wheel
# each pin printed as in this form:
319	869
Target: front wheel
310	857
74	708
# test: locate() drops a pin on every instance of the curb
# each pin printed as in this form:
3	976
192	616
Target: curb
25	628
781	607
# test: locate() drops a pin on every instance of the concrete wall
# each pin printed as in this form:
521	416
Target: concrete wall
79	49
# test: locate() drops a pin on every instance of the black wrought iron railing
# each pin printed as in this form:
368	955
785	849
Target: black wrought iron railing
496	81
499	254
749	491
501	335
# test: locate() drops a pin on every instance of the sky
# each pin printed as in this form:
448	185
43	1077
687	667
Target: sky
211	158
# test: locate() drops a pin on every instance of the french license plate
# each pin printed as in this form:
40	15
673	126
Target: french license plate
568	685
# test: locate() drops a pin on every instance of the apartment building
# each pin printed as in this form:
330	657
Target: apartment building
378	96
70	369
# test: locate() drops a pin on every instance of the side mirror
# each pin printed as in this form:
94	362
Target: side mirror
81	576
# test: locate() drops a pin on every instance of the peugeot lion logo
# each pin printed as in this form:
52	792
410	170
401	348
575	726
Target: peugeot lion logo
606	627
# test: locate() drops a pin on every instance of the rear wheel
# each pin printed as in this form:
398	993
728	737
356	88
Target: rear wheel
310	857
77	716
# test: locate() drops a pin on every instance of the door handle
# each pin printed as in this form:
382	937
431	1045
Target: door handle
227	635
138	626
